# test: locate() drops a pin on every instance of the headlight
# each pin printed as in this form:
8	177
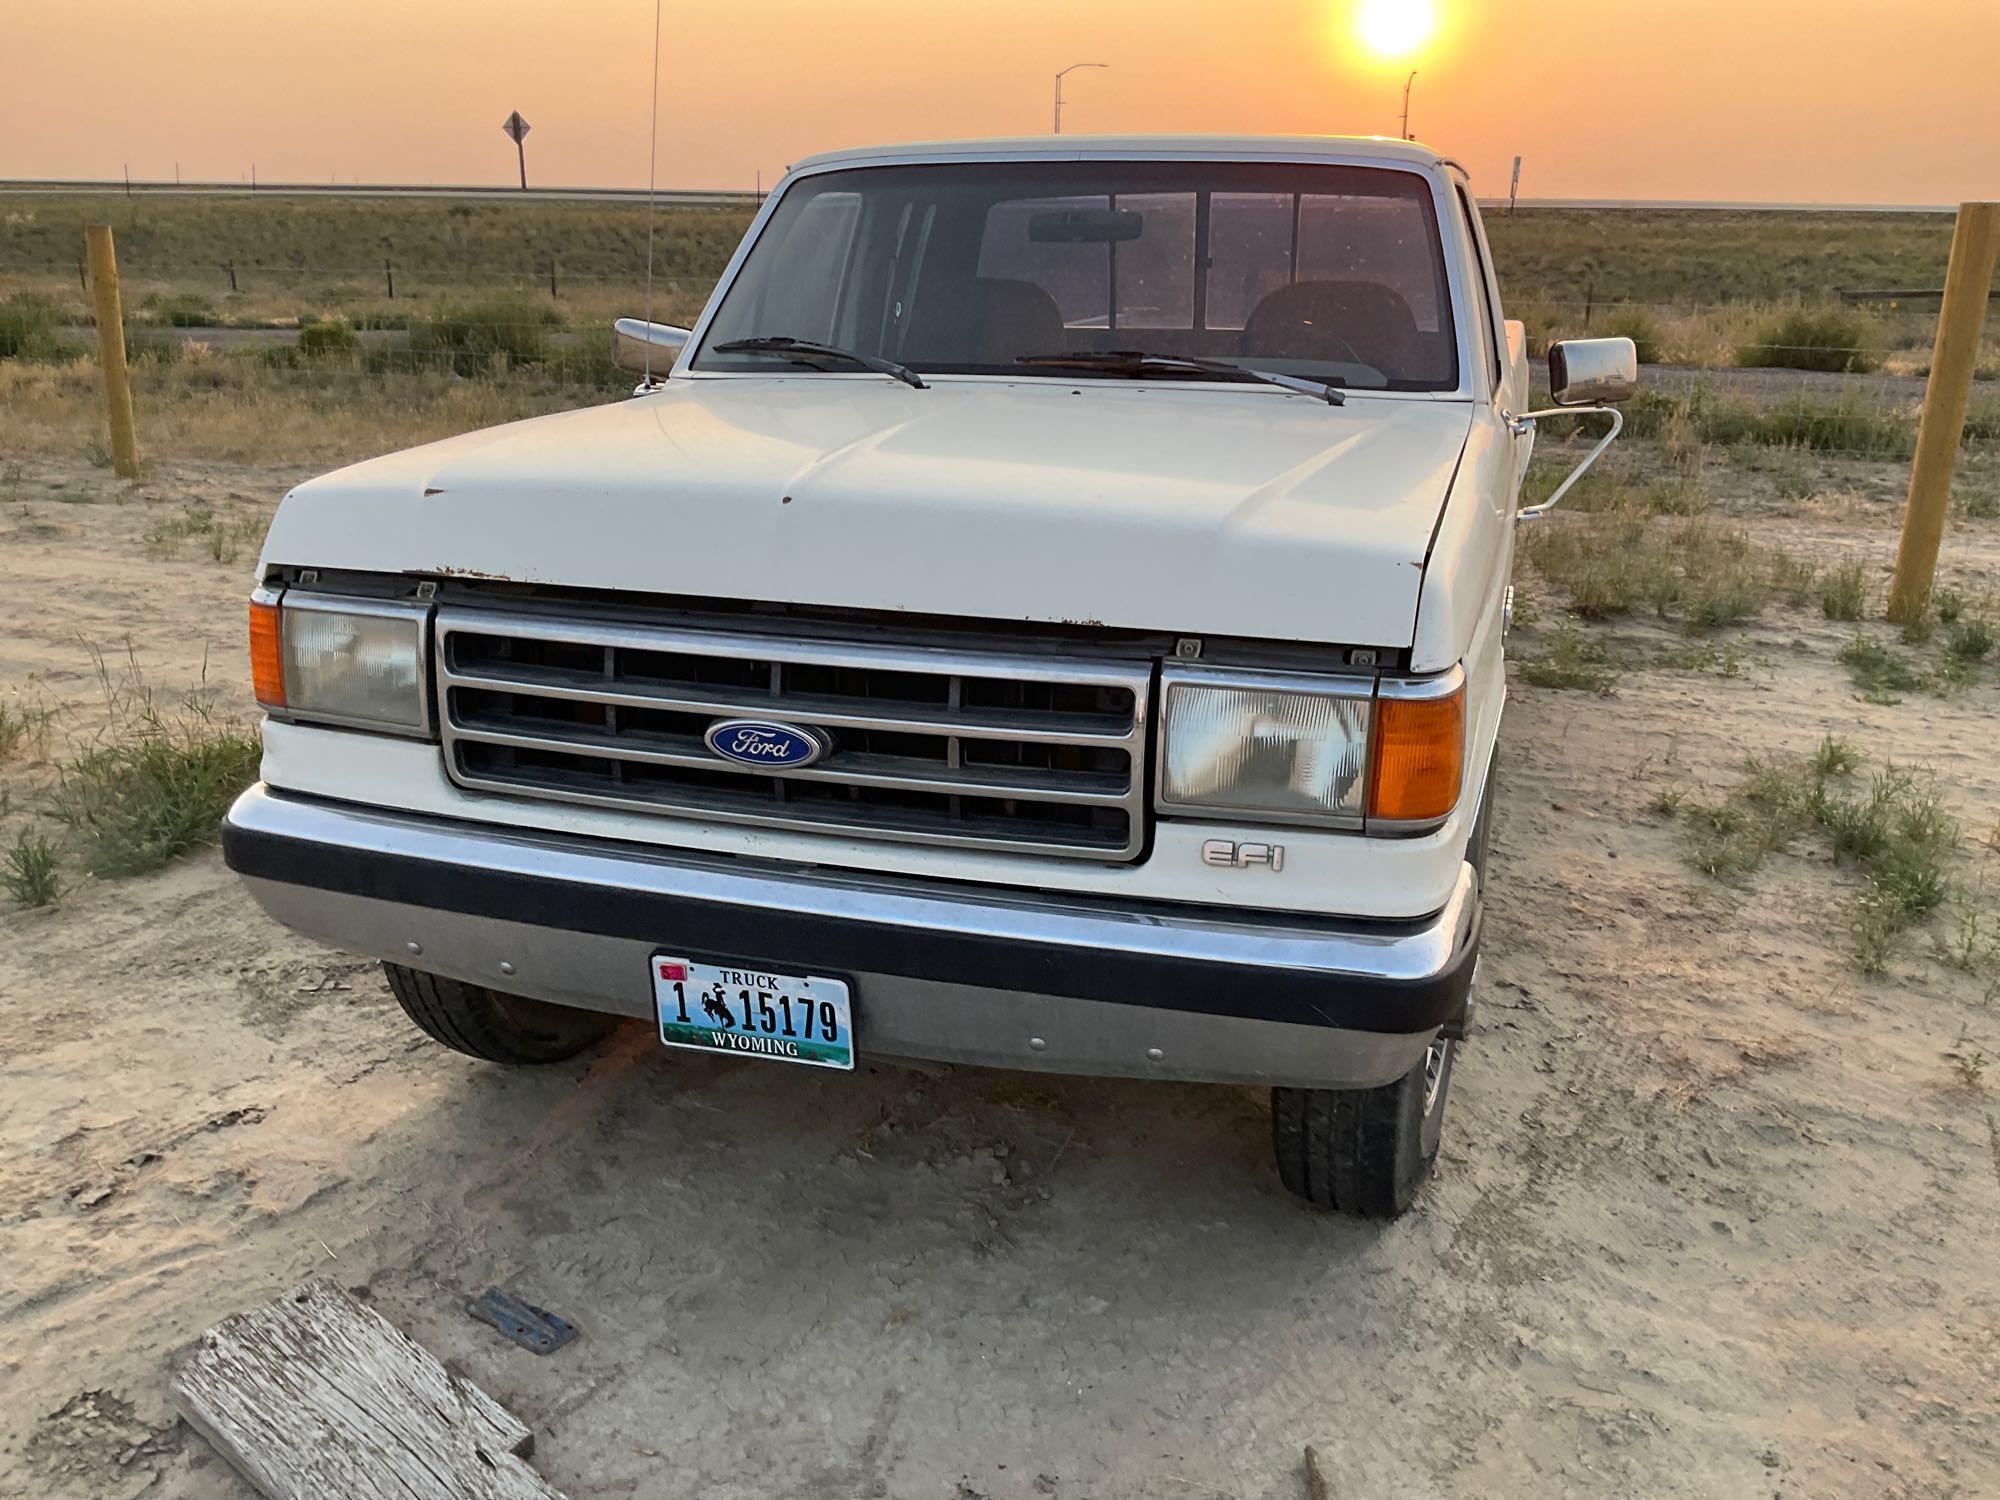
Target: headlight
1248	744
1345	753
352	662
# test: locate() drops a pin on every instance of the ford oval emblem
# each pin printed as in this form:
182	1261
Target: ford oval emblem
764	742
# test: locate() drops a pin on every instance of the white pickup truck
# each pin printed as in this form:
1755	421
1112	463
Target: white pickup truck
1047	613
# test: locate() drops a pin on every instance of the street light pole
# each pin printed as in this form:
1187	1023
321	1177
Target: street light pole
1406	104
1059	78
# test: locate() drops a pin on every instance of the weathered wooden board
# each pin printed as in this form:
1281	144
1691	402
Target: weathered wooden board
317	1397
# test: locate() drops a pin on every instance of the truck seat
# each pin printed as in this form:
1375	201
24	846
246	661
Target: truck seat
1342	321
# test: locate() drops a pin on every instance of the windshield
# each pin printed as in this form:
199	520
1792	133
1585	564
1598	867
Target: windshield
1334	273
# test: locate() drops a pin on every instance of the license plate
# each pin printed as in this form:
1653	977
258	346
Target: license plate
751	1012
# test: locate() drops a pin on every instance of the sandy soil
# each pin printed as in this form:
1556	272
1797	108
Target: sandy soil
1714	1215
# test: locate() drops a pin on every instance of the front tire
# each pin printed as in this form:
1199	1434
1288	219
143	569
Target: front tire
486	1024
1363	1151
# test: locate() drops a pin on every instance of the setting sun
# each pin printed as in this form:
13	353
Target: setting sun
1396	28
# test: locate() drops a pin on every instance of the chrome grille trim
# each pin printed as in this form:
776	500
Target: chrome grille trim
609	715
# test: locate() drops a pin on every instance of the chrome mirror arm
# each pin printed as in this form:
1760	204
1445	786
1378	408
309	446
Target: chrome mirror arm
1526	420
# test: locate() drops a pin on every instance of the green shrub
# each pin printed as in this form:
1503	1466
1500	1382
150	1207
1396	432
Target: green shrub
30	875
1638	325
1982	421
1612	563
147	344
476	337
1834	757
1828	338
19	726
1848	424
1858	831
1721	841
31	328
1979	505
1899	834
154	793
328	336
1843	592
275	356
178	310
1877	671
1573	663
1970	638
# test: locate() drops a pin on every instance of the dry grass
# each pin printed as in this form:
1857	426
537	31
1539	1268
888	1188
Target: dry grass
1571	663
154	786
1843	592
1822	338
1690	568
208	407
32	873
1897	833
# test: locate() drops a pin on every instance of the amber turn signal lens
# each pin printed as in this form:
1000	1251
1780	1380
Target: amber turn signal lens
1419	754
267	660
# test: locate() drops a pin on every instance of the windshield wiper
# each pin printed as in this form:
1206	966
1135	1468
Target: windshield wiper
805	352
1137	362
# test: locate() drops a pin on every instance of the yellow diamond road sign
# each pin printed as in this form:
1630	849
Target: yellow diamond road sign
516	127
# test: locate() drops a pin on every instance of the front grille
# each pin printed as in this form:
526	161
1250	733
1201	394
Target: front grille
957	748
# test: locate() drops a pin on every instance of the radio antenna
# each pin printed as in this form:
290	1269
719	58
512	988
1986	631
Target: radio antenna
652	180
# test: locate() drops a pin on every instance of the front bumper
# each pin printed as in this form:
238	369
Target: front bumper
972	974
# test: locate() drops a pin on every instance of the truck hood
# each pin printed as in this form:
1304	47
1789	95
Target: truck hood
1240	511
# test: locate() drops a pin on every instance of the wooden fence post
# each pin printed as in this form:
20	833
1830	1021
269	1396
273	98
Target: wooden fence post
111	350
1974	244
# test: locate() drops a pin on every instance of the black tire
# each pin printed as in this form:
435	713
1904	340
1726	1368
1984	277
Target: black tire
486	1024
1369	1151
1363	1151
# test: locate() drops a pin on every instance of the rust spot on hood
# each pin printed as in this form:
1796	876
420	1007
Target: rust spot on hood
430	490
443	571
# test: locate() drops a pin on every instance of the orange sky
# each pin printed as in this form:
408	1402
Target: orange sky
1788	100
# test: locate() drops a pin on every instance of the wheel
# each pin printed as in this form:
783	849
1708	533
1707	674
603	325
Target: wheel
1363	1151
1368	1151
484	1023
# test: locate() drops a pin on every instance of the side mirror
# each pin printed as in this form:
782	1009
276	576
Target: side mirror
1592	372
637	344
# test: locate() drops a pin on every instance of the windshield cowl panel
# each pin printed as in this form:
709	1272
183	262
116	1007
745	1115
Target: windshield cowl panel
1328	274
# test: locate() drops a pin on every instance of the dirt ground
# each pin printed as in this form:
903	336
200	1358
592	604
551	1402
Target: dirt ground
1715	1215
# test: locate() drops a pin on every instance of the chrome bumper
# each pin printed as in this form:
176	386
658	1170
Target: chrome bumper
976	974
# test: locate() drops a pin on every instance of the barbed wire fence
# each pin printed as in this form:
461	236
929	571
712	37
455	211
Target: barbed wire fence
1839	379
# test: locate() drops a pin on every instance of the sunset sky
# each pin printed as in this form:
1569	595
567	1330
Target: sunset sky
1785	100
